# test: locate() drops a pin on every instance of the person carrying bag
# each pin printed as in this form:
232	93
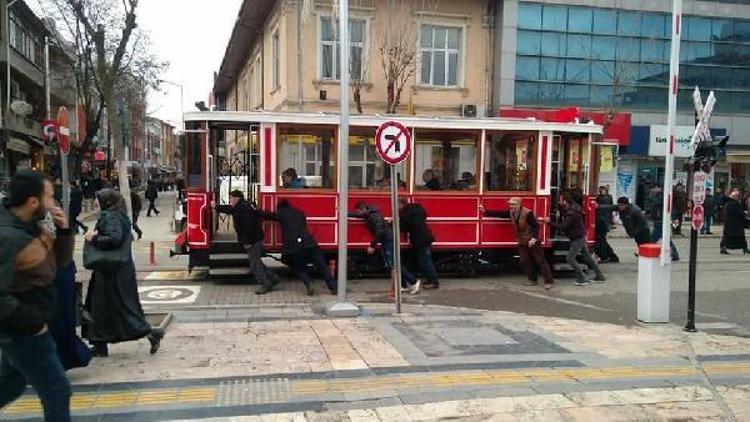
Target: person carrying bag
112	298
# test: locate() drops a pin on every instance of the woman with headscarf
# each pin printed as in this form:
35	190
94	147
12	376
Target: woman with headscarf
112	300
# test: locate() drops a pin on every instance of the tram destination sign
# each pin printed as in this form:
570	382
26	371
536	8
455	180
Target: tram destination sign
393	142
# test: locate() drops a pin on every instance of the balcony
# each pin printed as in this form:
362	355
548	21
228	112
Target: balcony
25	125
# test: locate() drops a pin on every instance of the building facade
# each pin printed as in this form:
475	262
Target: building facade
614	55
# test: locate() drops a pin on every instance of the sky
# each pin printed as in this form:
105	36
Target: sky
192	36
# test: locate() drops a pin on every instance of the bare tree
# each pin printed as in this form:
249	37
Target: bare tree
110	50
398	45
358	73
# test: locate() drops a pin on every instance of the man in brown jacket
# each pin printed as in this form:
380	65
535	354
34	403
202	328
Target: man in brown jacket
530	252
34	240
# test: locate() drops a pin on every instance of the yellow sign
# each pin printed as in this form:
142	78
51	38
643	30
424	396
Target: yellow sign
607	160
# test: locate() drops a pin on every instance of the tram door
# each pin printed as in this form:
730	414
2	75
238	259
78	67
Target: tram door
569	169
236	168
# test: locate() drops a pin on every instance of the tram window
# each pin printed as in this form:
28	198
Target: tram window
446	161
509	162
307	154
366	169
194	160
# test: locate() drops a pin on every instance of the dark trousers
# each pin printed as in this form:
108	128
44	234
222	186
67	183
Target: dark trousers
678	217
706	229
152	207
578	247
407	278
312	256
426	265
262	274
603	249
33	360
534	263
135	225
656	237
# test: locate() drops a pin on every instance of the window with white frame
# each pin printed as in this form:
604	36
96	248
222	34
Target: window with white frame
276	61
440	55
329	48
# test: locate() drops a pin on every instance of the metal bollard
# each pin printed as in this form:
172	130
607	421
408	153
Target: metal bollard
152	254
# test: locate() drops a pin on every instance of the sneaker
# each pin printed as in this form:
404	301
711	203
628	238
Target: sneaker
548	286
416	287
309	290
582	282
430	285
532	283
155	339
600	279
263	289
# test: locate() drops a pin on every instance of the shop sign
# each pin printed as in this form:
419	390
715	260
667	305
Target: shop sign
658	141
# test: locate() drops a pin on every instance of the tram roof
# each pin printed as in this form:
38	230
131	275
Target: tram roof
233	119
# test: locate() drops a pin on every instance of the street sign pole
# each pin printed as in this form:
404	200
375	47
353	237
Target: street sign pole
341	308
396	238
690	326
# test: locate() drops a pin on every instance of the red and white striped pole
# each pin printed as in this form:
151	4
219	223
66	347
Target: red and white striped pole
674	82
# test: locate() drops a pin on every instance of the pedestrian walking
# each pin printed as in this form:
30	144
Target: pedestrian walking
572	225
530	252
30	253
735	222
602	248
709	209
151	194
180	188
679	206
657	207
383	235
76	206
413	220
136	205
112	298
72	351
248	223
299	247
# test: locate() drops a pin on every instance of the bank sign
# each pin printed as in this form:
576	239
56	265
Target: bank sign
658	141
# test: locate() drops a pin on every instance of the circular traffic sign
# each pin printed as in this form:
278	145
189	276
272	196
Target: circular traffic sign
697	217
393	142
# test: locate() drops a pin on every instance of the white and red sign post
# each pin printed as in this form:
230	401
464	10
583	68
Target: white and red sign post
393	144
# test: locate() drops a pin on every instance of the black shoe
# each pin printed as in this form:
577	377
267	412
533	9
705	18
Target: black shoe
155	339
309	290
263	289
99	351
430	285
724	251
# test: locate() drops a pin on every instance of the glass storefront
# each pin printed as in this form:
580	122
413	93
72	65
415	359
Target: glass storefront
595	57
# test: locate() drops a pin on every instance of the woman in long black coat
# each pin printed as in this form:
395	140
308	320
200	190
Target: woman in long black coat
112	299
734	225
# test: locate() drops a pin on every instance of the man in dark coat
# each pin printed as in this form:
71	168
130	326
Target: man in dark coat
76	206
602	248
382	234
413	220
679	205
136	206
248	223
709	208
29	257
734	224
634	221
299	246
151	194
573	226
530	251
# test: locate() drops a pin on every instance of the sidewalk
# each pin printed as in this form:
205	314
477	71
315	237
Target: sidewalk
292	363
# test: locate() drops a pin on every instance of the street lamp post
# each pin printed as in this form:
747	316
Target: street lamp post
6	125
182	99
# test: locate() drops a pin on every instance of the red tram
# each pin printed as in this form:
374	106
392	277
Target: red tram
456	164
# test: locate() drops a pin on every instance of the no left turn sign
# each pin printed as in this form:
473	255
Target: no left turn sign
393	142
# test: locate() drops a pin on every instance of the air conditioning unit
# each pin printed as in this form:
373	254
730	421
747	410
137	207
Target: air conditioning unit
468	110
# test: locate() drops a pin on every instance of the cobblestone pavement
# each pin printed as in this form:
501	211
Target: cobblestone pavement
290	362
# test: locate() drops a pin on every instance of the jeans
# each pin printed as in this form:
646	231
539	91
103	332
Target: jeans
33	360
706	229
604	250
407	278
656	237
262	274
424	259
315	256
578	247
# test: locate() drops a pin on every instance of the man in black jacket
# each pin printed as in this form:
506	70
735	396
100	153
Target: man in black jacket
136	205
574	227
382	234
151	194
299	246
248	223
30	253
413	220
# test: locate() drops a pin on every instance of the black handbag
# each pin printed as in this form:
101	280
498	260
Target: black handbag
107	259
